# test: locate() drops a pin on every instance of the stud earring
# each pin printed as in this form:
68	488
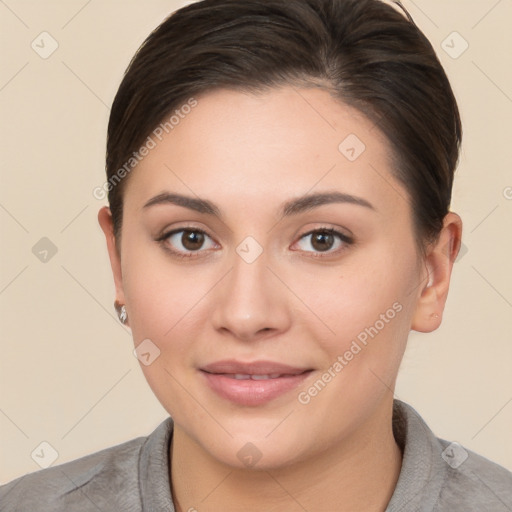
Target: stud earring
121	312
122	315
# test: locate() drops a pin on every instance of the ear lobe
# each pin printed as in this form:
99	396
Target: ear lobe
107	226
436	276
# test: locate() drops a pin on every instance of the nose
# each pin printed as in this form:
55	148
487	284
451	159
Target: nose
251	302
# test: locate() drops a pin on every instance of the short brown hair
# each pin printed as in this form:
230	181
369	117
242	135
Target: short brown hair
365	52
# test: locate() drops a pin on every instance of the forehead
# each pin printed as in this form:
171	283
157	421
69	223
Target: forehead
244	147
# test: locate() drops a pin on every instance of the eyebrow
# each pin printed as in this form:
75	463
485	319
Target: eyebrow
291	207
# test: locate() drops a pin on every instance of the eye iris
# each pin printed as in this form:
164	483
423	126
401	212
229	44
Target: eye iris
322	241
192	240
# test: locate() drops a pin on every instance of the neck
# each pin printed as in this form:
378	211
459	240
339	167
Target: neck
360	473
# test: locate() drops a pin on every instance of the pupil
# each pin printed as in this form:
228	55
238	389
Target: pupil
322	241
192	240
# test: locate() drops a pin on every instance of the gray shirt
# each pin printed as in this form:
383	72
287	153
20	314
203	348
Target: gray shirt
436	475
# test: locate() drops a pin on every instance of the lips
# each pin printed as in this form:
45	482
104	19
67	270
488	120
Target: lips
254	383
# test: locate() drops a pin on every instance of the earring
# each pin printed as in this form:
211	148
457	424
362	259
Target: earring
434	315
121	312
123	315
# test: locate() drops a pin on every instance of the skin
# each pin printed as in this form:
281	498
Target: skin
249	154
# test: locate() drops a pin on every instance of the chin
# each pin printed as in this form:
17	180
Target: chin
256	444
257	455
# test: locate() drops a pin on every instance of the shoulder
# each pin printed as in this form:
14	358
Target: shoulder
442	476
472	481
88	483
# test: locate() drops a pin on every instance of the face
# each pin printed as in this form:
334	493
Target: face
273	317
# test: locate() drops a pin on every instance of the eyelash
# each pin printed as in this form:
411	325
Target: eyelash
347	241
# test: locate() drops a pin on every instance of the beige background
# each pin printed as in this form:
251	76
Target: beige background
67	372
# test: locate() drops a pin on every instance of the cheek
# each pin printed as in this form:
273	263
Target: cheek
358	300
165	307
159	293
369	307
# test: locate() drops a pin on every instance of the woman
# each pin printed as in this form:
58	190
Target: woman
279	175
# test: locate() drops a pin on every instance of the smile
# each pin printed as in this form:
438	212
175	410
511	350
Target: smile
252	384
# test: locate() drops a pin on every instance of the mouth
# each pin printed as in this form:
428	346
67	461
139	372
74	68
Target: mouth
255	383
241	376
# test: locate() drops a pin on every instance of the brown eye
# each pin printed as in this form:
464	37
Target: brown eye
187	242
323	241
192	240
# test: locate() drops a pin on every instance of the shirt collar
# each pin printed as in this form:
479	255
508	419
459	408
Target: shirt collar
423	469
419	483
154	470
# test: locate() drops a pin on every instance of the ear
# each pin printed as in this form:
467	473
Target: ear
105	220
435	278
